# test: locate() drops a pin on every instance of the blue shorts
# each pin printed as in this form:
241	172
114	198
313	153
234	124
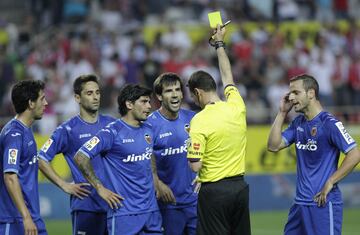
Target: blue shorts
312	220
179	221
146	223
18	228
89	223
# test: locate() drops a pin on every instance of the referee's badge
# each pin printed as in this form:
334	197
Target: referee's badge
147	138
187	128
313	131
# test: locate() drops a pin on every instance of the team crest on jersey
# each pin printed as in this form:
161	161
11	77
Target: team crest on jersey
13	153
47	145
313	131
147	138
92	143
187	128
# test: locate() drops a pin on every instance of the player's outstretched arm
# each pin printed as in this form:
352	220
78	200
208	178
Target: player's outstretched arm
224	63
77	190
84	164
14	189
350	161
275	141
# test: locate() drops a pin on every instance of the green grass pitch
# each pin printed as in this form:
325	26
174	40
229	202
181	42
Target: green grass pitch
262	223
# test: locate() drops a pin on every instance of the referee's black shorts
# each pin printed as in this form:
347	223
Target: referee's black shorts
223	208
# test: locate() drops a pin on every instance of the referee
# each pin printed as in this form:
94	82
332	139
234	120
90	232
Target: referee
216	150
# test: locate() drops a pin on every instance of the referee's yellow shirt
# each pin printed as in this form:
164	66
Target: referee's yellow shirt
218	138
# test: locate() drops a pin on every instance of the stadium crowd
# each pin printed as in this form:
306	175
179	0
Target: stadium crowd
57	43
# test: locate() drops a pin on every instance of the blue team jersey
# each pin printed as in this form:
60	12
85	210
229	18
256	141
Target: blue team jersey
19	155
318	144
67	139
127	154
170	149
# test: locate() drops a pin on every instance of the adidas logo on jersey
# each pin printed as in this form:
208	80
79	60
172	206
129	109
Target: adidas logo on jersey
142	157
172	151
310	145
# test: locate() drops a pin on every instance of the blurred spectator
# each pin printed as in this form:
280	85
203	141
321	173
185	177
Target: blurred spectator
7	76
341	9
324	10
354	80
323	71
256	112
340	80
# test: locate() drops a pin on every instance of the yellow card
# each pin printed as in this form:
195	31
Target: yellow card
214	19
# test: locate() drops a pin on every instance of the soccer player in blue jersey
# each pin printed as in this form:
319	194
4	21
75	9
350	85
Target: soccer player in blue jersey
171	130
319	138
19	195
126	146
88	210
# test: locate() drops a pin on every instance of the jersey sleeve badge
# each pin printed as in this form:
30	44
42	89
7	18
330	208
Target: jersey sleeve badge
12	158
92	143
47	145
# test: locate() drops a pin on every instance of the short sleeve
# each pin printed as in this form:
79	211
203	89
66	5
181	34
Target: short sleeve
12	151
232	95
57	143
196	142
102	141
339	136
288	134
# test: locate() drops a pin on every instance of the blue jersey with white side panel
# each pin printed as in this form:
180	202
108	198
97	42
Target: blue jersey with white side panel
19	156
67	139
318	143
126	151
170	149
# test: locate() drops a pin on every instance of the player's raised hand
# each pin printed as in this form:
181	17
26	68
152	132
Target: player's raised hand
320	197
165	193
78	190
285	104
29	226
111	198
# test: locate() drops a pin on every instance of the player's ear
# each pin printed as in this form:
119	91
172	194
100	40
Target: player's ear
77	98
311	93
196	91
31	104
129	105
159	97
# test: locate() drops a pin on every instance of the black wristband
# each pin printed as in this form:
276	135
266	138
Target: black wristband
219	44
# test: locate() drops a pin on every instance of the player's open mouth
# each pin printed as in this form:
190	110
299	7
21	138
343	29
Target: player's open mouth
176	102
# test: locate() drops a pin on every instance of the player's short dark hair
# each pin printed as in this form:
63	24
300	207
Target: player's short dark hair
309	82
131	93
201	80
166	79
81	80
25	91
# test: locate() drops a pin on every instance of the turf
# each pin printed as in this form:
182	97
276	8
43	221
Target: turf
262	223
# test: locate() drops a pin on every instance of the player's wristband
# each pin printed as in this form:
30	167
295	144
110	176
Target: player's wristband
219	44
